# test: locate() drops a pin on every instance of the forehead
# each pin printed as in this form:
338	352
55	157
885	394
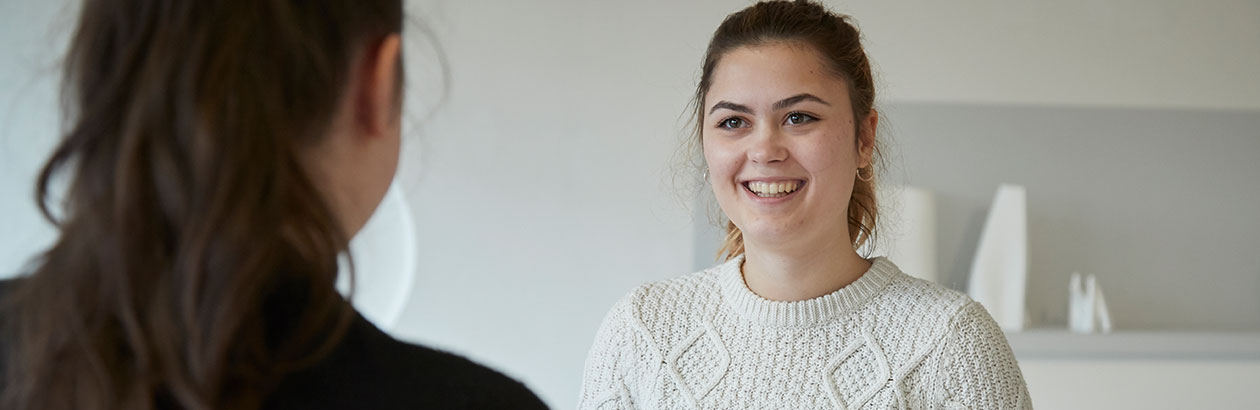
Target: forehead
763	74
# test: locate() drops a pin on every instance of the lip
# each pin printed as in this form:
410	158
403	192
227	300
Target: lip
743	185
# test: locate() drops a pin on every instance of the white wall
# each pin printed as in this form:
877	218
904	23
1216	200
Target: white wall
539	188
28	121
1134	53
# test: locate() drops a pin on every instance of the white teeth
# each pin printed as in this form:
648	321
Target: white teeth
773	189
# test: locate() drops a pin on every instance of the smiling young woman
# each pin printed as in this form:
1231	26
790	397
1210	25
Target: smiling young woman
795	318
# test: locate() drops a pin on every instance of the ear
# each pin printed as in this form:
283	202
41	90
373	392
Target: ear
377	100
866	141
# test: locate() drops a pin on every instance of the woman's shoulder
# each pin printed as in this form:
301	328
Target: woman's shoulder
7	286
920	294
458	382
679	288
370	369
917	301
688	292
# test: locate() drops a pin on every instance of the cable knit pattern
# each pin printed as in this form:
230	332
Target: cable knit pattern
888	340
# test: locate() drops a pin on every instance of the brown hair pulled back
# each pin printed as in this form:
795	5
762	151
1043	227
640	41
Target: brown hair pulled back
839	44
186	212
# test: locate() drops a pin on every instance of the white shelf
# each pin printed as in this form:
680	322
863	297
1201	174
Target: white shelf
1174	345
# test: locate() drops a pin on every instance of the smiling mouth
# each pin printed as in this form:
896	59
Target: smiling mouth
773	189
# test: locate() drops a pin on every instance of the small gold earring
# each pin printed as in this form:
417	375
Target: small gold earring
870	176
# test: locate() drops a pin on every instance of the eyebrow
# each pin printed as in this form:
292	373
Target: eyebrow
730	106
784	103
796	99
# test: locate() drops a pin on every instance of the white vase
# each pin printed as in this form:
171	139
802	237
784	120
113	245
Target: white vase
907	233
999	270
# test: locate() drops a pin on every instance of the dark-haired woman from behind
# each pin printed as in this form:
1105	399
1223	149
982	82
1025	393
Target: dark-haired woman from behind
219	157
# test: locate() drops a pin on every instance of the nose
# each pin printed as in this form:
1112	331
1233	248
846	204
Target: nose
767	146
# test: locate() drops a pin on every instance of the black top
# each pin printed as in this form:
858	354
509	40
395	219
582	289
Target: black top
369	370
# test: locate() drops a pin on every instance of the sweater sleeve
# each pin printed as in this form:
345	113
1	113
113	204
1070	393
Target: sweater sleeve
603	386
980	369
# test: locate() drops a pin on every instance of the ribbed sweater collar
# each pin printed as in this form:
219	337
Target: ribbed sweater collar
805	312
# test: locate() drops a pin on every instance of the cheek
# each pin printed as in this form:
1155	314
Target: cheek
827	156
723	162
721	159
833	161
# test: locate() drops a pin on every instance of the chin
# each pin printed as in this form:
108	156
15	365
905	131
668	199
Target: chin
770	235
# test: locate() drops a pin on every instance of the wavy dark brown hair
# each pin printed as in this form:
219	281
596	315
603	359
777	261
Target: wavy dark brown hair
839	44
196	260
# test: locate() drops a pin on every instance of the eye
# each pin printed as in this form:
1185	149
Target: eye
732	123
798	118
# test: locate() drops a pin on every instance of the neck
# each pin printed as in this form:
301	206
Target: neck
801	273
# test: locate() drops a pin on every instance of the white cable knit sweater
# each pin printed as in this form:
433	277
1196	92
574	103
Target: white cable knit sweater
888	340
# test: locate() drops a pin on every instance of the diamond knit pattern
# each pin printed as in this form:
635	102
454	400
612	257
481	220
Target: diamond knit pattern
886	341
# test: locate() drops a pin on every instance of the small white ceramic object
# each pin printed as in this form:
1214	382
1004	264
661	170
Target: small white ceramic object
999	270
908	230
1087	308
